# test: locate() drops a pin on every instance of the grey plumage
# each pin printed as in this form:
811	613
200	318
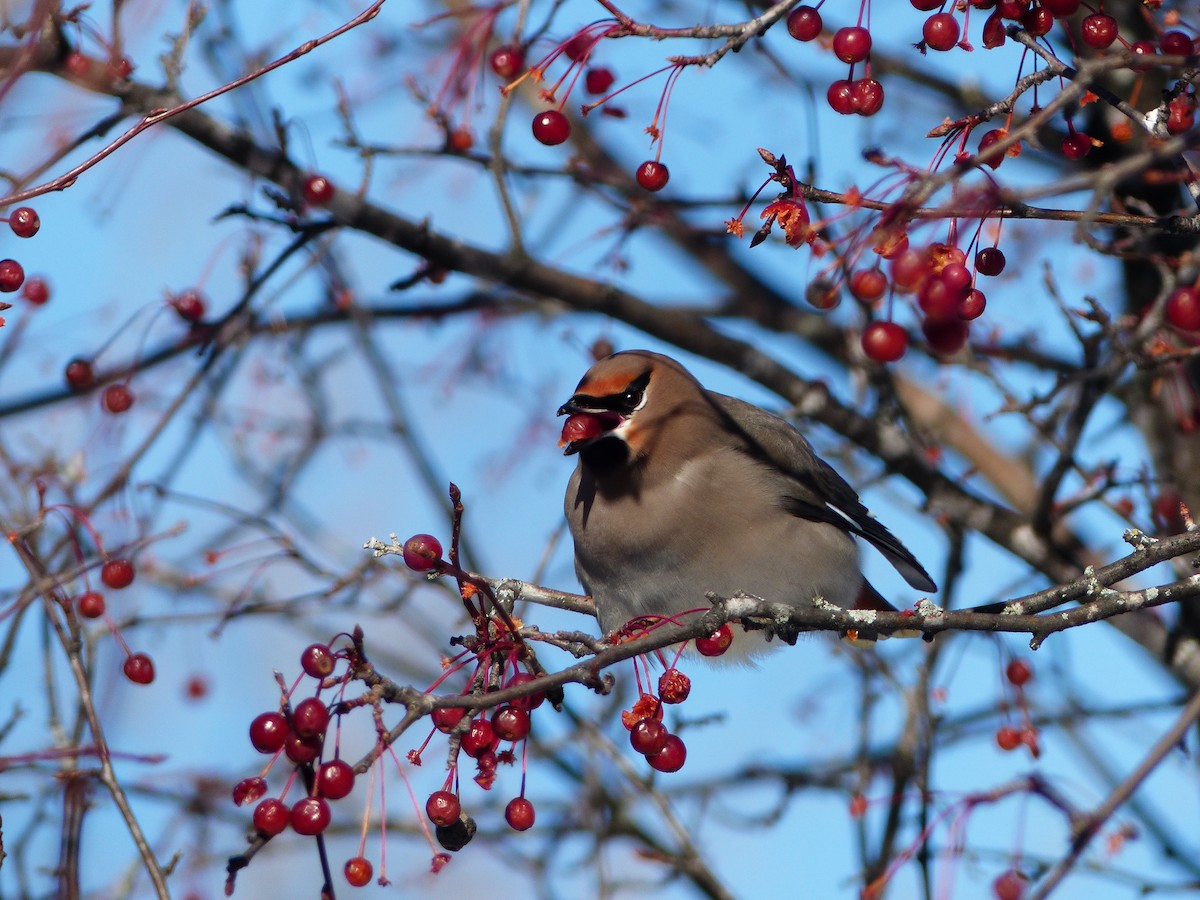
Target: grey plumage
681	491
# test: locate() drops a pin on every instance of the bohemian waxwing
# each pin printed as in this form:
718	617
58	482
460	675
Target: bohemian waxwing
681	492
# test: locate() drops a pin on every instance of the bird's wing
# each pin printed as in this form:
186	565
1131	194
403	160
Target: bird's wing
810	488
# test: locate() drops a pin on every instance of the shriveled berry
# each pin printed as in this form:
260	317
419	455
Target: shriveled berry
268	731
24	222
987	140
90	604
823	293
551	127
671	757
884	342
994	33
310	718
457	835
674	686
12	275
716	643
117	573
335	779
310	816
79	374
139	668
510	723
117	398
652	175
358	871
248	790
519	814
422	552
804	23
271	817
648	736
318	190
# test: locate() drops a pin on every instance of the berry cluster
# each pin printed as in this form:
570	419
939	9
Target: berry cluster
1018	673
24	223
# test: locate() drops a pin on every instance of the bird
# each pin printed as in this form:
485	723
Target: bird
680	492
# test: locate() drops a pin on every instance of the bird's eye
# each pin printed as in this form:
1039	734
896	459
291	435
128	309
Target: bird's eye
632	398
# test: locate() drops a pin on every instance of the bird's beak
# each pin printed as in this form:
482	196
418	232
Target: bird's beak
585	425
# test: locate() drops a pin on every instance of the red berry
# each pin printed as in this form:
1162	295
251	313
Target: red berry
36	291
358	871
1143	48
310	816
271	817
987	140
480	739
956	276
1008	738
1076	145
12	276
925	5
510	723
268	732
335	779
302	750
868	285
648	736
990	261
317	661
551	127
460	140
531	702
598	80
804	23
79	374
910	269
1009	885
1013	9
24	222
945	336
972	306
1061	8
1099	30
938	300
852	44
248	790
1172	43
519	814
117	398
310	718
867	94
652	175
1038	21
117	573
674	686
840	97
1183	309
508	61
578	46
940	31
446	718
318	190
884	342
671	757
91	604
1018	672
716	643
190	305
422	552
443	808
139	668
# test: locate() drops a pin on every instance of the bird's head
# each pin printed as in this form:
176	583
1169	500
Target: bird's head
623	401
